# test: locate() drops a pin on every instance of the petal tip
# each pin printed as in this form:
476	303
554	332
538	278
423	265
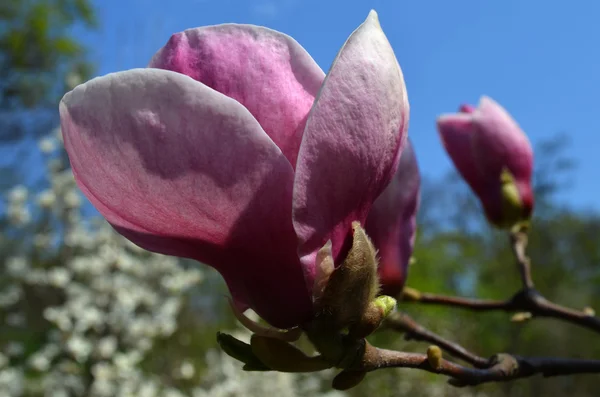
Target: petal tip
373	18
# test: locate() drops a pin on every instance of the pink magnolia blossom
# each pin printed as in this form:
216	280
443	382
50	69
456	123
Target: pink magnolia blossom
484	143
236	150
392	223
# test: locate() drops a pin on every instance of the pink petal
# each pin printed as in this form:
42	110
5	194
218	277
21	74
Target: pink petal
500	142
181	169
352	141
457	132
266	71
392	223
466	108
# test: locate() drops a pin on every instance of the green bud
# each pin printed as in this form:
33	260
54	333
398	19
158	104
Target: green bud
372	317
386	303
411	294
434	357
512	205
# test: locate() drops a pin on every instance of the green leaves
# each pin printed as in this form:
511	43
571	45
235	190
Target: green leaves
37	51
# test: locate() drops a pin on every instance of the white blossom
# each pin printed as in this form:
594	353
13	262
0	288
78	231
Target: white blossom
46	199
47	145
18	194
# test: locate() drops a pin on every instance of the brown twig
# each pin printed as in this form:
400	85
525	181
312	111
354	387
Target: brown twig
504	367
518	244
413	330
527	300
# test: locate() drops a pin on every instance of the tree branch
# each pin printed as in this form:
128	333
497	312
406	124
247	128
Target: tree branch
503	367
527	300
518	244
412	330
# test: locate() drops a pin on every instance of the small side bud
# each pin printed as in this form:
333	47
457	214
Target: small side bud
521	317
588	311
411	294
434	357
283	357
386	303
348	379
240	351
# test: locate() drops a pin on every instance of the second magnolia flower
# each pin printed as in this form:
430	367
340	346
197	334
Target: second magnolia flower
495	158
236	150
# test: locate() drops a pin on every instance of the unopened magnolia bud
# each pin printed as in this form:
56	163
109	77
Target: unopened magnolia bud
283	357
348	379
434	357
240	351
495	158
353	286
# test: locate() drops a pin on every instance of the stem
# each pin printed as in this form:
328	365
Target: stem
527	300
504	367
404	323
518	243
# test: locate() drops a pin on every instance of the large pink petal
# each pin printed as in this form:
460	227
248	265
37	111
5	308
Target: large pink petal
392	223
266	71
181	169
352	141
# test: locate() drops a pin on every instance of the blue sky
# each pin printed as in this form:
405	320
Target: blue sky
538	58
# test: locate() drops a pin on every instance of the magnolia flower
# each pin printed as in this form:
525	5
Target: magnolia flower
494	156
236	150
392	223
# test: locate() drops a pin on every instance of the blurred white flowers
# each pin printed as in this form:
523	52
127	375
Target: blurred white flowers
106	301
96	305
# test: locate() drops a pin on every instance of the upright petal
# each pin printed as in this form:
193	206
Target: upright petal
266	71
500	142
181	169
392	223
354	134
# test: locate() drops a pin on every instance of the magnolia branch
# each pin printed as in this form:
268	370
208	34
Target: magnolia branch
527	300
518	244
499	368
412	330
503	367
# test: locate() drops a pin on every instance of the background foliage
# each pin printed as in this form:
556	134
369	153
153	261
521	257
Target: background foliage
84	313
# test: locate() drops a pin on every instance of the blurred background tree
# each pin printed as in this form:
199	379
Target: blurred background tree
40	59
457	253
38	52
83	313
